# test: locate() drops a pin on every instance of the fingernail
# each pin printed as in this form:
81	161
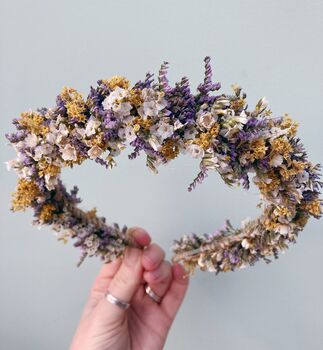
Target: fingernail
132	255
180	272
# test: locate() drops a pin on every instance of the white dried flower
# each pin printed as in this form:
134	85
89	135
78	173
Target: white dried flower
63	129
94	152
69	152
153	103
245	243
42	150
50	181
303	177
205	120
80	132
195	151
91	126
12	164
154	143
283	229
164	130
31	140
149	109
26	172
113	101
178	124
51	137
18	146
130	134
276	160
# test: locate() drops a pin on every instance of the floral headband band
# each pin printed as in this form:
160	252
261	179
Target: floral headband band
164	121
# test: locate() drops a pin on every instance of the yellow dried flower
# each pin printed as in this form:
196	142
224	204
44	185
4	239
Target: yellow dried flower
214	131
135	97
265	187
74	103
47	168
169	149
281	211
117	80
47	212
205	139
146	124
269	224
257	149
79	160
76	109
69	94
26	192
296	167
33	122
99	140
282	146
288	122
91	213
313	207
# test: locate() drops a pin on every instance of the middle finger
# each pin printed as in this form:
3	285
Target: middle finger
152	257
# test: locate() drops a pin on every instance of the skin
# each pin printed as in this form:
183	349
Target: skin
145	324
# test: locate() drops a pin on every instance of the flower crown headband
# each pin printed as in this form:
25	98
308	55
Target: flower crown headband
164	121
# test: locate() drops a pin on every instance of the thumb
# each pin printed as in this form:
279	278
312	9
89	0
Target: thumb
123	285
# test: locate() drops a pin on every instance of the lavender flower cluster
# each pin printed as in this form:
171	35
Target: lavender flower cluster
165	121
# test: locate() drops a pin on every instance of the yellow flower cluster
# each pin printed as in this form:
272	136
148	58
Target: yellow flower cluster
313	207
295	168
74	102
46	213
281	146
257	149
169	149
265	187
26	192
117	80
47	168
135	97
281	212
33	122
138	122
272	215
204	139
289	123
99	140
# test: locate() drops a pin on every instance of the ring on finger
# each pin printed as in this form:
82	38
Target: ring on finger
156	298
116	301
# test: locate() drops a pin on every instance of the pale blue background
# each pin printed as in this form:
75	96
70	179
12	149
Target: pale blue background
273	49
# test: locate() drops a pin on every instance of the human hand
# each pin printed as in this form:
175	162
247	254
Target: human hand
145	324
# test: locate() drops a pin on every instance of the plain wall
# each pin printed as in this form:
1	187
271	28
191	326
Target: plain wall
271	48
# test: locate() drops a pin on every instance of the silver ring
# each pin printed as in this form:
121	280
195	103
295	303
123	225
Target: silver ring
156	298
113	300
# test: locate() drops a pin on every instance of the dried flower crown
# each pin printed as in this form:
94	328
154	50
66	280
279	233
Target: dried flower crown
164	121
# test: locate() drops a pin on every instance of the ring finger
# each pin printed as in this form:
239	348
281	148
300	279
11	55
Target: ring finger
159	279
